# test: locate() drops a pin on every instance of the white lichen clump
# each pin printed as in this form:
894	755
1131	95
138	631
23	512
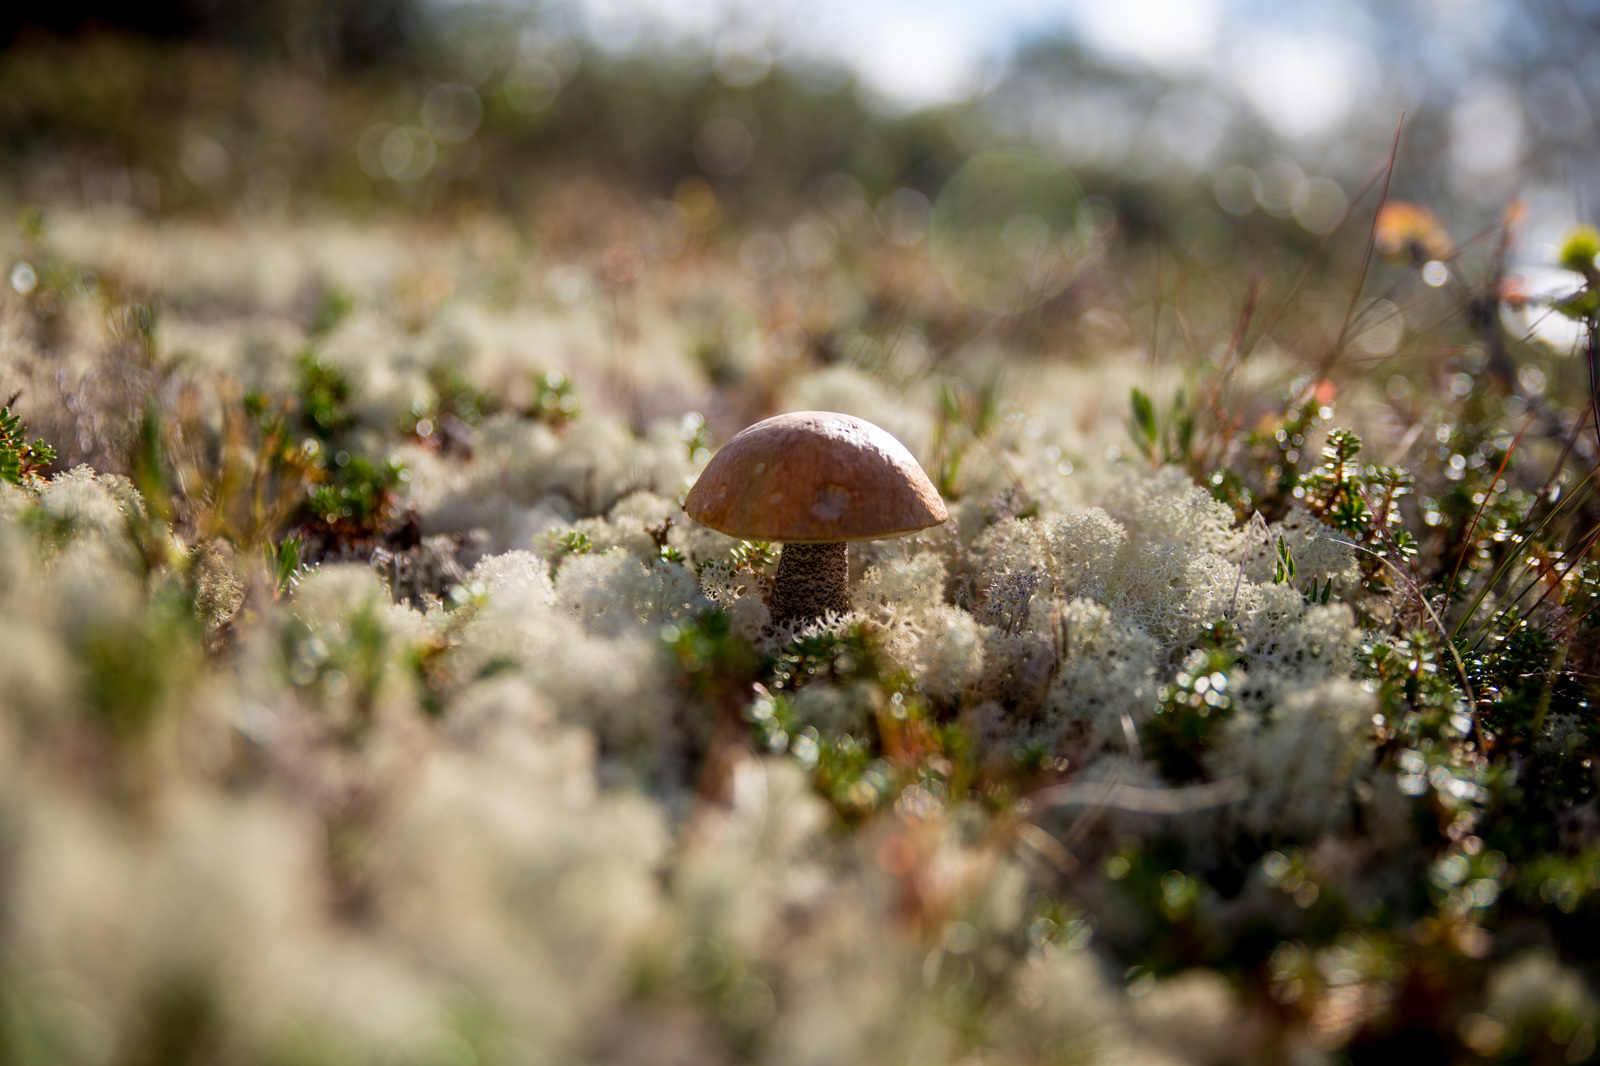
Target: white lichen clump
489	852
465	829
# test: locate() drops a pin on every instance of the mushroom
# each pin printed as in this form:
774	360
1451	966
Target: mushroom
814	480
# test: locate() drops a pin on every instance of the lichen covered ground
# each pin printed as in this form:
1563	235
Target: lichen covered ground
368	696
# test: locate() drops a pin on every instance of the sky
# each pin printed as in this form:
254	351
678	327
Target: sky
1298	64
925	51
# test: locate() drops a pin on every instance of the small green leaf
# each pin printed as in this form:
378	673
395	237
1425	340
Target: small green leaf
286	562
572	542
1142	425
1144	415
1284	573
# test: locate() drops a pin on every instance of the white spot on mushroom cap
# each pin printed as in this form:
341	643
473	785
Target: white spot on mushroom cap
832	502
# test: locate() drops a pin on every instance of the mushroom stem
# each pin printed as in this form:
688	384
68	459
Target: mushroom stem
813	580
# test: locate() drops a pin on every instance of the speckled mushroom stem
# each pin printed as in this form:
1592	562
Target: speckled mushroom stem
812	580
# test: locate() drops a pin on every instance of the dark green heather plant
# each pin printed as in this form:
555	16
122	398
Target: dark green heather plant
359	495
21	462
324	392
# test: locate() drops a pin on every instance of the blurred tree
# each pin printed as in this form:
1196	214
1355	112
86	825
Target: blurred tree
322	34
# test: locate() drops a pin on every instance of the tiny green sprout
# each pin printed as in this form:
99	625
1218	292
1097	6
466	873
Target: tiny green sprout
1313	597
977	406
572	542
1284	573
21	462
576	543
1142	425
284	563
1169	443
967	413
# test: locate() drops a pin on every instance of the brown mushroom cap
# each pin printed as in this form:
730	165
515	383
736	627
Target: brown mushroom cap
813	477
